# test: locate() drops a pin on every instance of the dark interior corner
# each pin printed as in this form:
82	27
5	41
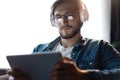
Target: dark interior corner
115	24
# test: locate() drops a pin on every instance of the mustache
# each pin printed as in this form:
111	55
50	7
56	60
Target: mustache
67	26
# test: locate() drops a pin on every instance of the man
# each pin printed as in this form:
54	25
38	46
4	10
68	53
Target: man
87	59
83	58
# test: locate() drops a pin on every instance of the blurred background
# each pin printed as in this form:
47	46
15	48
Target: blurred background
26	23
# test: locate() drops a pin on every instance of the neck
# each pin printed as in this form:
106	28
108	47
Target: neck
70	42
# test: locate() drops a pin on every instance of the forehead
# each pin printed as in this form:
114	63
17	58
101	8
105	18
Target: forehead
67	7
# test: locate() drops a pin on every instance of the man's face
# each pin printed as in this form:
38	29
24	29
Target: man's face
67	19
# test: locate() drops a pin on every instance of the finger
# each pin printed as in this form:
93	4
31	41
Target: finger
14	73
66	58
64	65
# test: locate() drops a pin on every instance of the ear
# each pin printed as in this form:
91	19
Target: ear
84	15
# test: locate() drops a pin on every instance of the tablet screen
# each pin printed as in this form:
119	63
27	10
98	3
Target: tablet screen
36	66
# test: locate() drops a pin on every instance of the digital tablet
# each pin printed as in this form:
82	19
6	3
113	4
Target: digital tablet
36	66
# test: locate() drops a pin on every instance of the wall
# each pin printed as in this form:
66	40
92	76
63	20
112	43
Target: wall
25	24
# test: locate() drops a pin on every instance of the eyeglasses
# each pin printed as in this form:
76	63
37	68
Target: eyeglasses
60	18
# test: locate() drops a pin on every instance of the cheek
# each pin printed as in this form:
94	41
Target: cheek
73	23
78	23
57	25
58	28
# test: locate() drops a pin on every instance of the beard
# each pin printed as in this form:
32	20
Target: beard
74	32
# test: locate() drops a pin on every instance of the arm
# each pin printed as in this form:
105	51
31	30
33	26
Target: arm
113	74
66	69
110	59
3	71
16	75
3	74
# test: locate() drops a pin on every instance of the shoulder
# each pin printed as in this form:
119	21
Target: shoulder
96	42
102	46
46	46
40	47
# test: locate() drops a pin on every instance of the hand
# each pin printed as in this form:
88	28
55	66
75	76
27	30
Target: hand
66	69
17	75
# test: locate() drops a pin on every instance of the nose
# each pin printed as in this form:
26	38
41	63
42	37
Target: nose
64	20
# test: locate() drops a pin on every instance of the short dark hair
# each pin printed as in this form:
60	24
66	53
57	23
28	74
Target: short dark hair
84	15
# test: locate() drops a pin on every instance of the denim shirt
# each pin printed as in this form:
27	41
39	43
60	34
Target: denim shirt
97	56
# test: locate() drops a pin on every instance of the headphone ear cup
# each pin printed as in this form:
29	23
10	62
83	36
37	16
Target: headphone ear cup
84	16
52	21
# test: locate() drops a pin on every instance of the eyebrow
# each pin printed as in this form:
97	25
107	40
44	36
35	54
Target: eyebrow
69	12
